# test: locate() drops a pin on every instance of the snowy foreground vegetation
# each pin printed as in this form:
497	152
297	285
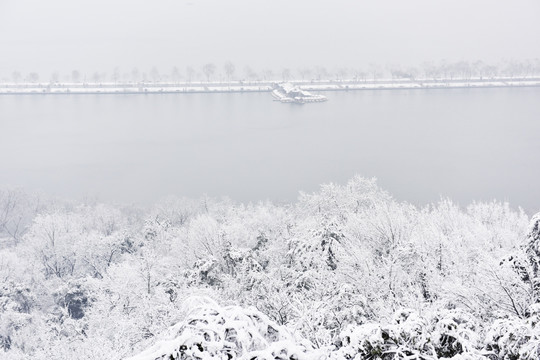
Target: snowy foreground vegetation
344	273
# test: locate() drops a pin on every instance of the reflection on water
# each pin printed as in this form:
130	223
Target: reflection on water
466	144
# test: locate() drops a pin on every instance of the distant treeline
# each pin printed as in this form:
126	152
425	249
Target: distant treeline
231	72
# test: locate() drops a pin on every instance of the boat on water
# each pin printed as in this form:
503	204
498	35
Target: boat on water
288	93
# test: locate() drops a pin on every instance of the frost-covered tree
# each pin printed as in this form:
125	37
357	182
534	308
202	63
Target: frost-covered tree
209	70
229	70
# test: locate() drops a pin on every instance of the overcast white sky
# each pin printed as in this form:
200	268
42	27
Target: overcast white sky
98	35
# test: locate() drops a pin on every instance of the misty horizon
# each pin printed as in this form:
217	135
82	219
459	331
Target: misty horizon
99	36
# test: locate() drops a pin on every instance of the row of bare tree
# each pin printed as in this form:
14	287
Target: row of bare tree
228	72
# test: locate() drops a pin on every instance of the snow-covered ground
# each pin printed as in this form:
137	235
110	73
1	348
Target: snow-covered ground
258	86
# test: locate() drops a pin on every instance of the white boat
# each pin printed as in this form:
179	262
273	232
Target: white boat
288	93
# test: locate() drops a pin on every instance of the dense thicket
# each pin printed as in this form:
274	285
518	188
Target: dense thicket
344	273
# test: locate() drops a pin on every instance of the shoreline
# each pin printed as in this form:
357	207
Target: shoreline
107	88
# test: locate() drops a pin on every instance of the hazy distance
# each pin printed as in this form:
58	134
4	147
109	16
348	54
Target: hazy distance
88	36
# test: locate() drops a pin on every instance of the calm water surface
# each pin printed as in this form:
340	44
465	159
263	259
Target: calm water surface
478	144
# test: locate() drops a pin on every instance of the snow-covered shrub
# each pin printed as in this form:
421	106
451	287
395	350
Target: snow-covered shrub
515	338
214	332
506	337
231	263
454	332
533	254
447	334
406	336
10	324
16	297
74	298
205	271
16	303
316	250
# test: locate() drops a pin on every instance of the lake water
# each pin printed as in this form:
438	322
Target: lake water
467	144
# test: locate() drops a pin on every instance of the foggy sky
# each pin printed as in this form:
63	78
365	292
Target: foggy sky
99	35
